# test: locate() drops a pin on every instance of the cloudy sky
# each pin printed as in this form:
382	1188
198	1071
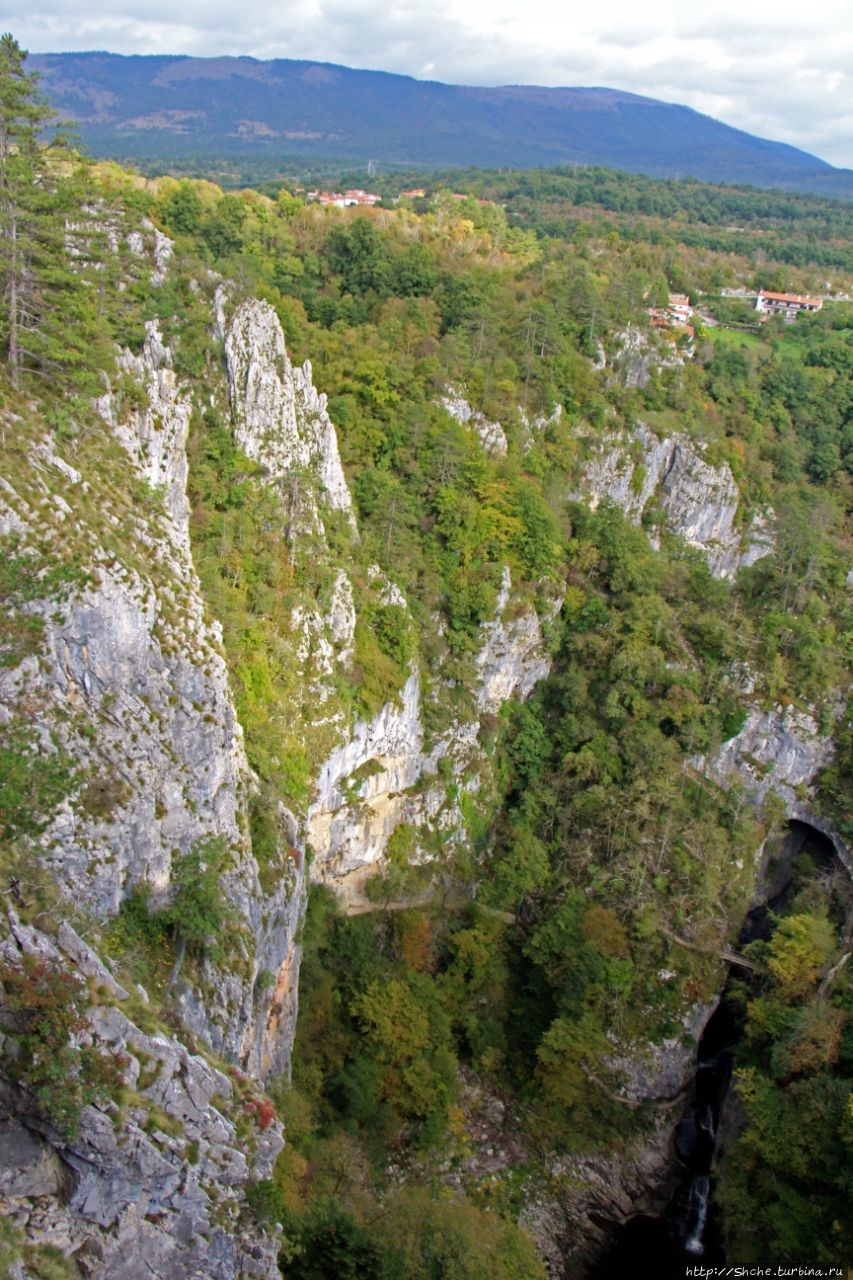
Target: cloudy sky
782	69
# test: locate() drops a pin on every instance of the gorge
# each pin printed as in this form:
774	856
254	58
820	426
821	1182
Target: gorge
399	699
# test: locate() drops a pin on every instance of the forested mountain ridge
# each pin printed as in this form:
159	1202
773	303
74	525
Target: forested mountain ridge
508	607
167	107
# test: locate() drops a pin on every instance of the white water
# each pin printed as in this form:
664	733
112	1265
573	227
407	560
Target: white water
698	1213
706	1124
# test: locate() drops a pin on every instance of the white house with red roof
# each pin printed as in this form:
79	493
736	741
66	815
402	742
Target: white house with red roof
788	305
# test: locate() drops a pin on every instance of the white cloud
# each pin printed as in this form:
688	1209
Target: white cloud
778	68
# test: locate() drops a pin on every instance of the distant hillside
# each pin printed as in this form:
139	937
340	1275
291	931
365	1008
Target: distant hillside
161	107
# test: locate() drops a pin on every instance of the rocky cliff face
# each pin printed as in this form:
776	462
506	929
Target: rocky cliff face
491	434
669	480
280	419
513	657
152	1184
133	685
127	693
384	774
379	772
780	751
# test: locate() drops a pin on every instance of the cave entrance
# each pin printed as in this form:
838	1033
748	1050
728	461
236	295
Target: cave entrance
804	838
799	839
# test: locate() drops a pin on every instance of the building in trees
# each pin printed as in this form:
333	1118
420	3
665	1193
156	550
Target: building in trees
788	305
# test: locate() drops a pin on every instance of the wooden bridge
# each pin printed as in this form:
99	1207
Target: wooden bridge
723	953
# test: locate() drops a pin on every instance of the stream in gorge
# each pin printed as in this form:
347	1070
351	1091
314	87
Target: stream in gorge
688	1231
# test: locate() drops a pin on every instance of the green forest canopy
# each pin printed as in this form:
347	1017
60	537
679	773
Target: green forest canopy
600	834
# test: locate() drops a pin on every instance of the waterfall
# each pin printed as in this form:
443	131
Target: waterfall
697	1213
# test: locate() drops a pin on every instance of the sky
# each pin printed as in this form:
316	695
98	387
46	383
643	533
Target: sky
782	69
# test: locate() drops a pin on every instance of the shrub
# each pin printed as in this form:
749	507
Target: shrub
32	781
43	1010
199	915
27	577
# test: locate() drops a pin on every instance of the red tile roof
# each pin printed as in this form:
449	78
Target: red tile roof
803	299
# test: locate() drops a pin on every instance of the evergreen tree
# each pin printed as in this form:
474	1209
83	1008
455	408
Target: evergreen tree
48	315
23	115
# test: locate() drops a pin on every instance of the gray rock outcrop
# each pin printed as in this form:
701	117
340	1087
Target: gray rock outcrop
153	1183
155	432
645	474
133	684
491	434
383	774
513	657
129	683
280	419
780	751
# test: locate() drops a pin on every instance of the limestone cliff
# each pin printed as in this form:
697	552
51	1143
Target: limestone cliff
491	434
119	690
781	749
133	684
280	419
667	481
384	774
659	481
154	1184
378	772
513	657
779	752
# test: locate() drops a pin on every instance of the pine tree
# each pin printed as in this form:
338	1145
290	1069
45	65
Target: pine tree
23	115
47	319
